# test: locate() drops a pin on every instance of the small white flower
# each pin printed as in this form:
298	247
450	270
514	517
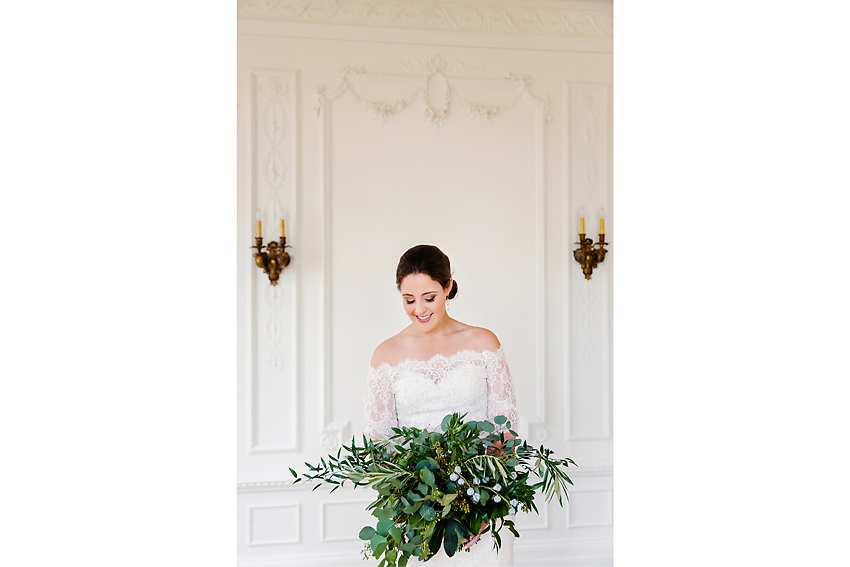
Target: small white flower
476	497
514	502
470	491
497	488
457	469
513	475
460	480
476	481
497	499
453	476
512	511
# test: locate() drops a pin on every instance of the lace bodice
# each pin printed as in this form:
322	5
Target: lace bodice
419	393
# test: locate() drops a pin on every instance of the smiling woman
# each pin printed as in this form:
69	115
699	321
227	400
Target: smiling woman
437	366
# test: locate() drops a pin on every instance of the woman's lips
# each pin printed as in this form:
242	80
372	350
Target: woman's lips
424	319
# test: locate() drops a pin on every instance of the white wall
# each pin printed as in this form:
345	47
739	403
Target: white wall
359	180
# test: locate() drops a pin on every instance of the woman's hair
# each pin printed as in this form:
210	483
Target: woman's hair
429	260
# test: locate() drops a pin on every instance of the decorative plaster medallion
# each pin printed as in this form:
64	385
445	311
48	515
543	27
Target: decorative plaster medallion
538	434
334	435
544	18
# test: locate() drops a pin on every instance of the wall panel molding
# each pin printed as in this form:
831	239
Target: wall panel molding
278	524
586	151
326	510
385	108
541	17
274	336
590	508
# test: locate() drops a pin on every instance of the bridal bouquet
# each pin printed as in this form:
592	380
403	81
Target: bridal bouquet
442	489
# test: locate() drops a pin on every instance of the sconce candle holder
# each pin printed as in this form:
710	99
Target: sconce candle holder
274	259
589	254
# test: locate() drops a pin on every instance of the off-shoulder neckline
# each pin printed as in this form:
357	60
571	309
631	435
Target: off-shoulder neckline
449	357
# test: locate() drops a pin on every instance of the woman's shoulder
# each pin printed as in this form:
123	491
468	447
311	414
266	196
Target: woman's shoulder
479	338
388	352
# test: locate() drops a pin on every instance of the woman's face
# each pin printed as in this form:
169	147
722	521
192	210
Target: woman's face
424	301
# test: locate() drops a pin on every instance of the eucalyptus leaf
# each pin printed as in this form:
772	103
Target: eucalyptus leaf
407	547
500	419
427	477
367	533
376	541
384	527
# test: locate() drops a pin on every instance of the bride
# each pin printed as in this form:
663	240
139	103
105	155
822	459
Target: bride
437	366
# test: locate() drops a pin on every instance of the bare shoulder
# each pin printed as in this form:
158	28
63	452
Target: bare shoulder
480	338
388	352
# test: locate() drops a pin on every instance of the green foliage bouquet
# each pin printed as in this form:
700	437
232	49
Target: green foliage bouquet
442	489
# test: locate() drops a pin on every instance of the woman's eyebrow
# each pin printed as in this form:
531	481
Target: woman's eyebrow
411	295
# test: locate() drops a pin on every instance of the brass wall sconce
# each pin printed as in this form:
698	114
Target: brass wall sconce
275	258
590	255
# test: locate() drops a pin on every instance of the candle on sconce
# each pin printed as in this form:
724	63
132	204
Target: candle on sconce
601	226
282	231
259	229
581	226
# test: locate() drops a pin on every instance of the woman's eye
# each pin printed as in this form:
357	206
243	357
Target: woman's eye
408	302
430	300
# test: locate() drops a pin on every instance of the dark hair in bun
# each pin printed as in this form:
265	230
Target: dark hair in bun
429	260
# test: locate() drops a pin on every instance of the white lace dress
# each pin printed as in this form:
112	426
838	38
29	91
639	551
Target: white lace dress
420	393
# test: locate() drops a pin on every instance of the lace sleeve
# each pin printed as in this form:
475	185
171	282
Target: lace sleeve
380	403
500	390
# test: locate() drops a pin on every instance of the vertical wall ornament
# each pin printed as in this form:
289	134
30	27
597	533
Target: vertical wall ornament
586	132
435	90
273	393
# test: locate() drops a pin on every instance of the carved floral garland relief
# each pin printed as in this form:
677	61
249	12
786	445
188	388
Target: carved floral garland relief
435	109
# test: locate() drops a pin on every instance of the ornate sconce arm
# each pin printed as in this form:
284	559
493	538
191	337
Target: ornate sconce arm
274	259
588	254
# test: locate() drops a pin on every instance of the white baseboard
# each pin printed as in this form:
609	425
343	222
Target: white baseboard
565	553
581	553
